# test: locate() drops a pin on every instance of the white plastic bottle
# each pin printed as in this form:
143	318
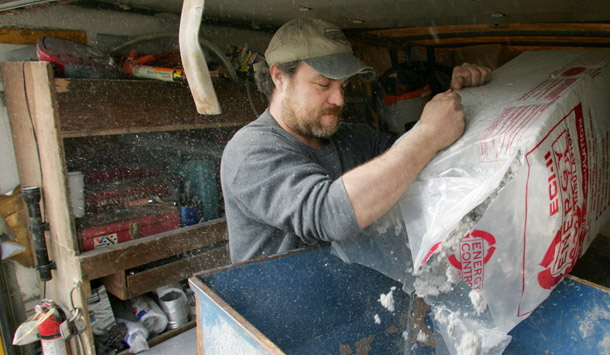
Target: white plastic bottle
149	313
136	336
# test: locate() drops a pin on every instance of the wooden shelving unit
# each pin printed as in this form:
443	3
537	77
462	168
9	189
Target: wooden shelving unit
139	106
44	110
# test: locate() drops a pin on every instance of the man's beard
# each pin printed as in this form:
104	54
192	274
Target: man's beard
308	123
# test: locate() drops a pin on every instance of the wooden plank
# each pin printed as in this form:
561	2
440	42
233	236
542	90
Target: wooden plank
590	284
148	280
117	285
102	107
198	313
519	48
463	30
24	144
35	132
50	147
34	128
548	35
519	40
30	36
115	258
212	308
26	152
60	239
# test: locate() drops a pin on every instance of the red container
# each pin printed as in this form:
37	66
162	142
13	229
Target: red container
118	195
118	232
118	174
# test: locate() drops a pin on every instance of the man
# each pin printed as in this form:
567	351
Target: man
297	176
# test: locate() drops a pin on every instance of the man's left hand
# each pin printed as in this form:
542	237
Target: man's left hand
469	75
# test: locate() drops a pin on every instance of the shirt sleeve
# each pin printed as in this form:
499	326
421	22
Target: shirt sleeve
358	143
275	183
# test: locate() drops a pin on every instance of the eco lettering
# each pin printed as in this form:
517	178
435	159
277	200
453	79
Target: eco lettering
553	191
566	246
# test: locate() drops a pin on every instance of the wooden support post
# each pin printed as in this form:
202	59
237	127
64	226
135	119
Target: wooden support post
40	156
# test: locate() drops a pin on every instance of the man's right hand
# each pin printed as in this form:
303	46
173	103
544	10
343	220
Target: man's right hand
442	121
469	75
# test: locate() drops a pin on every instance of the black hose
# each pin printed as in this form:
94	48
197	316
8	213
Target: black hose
31	196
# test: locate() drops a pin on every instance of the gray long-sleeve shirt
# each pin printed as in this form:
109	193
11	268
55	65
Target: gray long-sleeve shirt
280	194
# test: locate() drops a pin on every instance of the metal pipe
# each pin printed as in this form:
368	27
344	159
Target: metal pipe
193	59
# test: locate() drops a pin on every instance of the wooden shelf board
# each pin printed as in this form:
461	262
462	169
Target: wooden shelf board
31	36
549	35
106	132
116	258
102	107
126	286
519	40
583	29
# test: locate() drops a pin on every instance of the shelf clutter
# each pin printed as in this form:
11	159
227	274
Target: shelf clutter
142	321
136	149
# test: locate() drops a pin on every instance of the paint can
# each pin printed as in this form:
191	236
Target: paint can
174	304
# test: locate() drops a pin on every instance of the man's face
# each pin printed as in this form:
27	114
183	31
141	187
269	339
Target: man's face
312	104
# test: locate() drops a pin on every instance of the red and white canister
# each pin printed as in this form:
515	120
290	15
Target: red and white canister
49	329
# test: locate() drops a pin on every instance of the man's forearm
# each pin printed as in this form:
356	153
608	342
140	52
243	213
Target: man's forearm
373	188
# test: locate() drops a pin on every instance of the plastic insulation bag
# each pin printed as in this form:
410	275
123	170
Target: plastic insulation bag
509	208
